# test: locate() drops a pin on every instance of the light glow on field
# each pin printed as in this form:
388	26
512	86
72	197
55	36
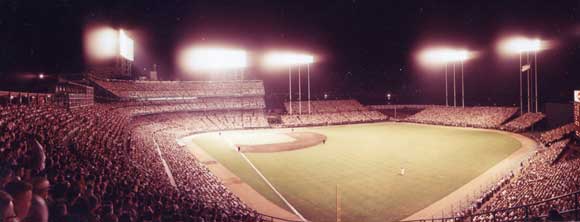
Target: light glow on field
195	59
287	58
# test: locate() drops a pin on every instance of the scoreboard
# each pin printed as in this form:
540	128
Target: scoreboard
577	112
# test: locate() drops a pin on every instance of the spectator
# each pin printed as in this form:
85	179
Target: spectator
7	208
37	154
39	208
22	194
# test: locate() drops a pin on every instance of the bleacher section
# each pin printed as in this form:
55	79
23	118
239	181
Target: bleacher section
481	117
326	106
556	134
329	112
523	122
156	90
193	105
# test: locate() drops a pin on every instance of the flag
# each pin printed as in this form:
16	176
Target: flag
525	67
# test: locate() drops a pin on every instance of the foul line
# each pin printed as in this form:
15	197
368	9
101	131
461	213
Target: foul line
268	182
167	170
273	188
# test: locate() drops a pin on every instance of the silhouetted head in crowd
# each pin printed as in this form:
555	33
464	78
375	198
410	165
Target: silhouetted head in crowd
109	212
5	175
41	186
21	193
7	208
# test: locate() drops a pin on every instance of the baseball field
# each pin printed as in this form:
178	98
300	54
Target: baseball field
365	161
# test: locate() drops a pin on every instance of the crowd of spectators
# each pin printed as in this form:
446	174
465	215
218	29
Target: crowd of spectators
480	116
121	161
332	118
402	106
325	106
523	122
197	122
556	134
201	104
88	165
540	178
137	89
329	112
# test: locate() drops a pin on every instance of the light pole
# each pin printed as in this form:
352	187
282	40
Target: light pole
299	92
536	76
521	88
290	87
520	45
462	86
288	59
454	88
529	99
444	56
308	71
446	93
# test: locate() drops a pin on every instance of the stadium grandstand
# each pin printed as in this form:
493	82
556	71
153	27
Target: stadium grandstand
97	152
227	137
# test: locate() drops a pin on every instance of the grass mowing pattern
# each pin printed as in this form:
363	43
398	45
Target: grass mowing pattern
365	160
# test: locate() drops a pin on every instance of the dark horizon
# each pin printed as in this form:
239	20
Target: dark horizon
365	47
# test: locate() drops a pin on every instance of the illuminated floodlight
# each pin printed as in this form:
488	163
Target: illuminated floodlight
213	59
440	56
520	45
126	46
41	76
462	55
101	43
287	58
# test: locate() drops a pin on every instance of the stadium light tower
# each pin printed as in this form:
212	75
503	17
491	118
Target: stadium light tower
213	59
289	59
522	45
444	56
463	55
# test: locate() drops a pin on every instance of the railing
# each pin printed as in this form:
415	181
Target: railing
19	98
529	212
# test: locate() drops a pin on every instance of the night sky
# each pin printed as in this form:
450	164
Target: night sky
364	48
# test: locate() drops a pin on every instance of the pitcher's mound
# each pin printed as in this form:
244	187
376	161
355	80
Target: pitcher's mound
301	140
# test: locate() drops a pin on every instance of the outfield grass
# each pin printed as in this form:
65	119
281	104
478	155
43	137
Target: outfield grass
365	161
